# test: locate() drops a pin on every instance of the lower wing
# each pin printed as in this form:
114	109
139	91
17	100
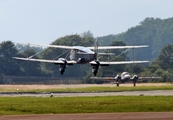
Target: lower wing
47	61
117	63
141	79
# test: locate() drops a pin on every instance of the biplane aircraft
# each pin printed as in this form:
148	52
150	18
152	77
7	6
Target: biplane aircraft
83	55
124	78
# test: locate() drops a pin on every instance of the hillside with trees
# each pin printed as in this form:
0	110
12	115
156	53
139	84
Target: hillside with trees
154	32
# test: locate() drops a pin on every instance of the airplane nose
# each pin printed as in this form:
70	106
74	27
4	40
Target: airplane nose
127	76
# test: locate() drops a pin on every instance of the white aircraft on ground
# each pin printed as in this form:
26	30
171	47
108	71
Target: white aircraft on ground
123	78
83	55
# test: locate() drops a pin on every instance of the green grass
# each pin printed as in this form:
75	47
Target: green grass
108	104
94	89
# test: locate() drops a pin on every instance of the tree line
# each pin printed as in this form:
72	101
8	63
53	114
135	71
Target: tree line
161	66
10	66
155	32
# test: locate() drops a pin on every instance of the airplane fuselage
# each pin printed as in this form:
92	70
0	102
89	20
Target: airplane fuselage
125	76
82	55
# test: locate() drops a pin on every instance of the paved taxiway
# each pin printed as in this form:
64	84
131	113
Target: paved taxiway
125	93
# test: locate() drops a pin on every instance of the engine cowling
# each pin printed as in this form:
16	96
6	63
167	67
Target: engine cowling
135	78
118	78
95	67
62	66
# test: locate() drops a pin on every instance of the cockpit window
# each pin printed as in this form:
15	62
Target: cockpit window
83	49
125	73
80	51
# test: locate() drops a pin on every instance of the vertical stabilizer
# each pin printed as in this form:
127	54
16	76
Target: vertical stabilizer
96	48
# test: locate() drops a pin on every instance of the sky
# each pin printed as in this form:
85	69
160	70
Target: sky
43	21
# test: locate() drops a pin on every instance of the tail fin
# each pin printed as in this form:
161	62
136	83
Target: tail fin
96	48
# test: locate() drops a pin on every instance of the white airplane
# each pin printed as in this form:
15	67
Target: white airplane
123	78
83	55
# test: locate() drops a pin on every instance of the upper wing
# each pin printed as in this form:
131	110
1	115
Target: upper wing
141	79
78	47
103	78
54	46
149	77
118	62
48	61
119	47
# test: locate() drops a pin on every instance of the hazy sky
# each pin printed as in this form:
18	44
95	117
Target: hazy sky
43	21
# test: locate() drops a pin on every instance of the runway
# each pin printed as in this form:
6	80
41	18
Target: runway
125	93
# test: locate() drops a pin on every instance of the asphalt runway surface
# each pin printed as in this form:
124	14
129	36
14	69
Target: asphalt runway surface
95	116
125	93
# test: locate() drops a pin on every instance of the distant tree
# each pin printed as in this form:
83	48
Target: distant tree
154	32
8	65
21	48
86	34
30	68
165	57
136	69
107	40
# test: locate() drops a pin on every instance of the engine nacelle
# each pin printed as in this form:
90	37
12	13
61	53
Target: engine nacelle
118	78
135	78
62	66
95	67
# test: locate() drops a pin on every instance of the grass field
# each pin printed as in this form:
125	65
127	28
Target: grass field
83	88
108	104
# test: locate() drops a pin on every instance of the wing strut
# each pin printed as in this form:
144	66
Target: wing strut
63	54
36	53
